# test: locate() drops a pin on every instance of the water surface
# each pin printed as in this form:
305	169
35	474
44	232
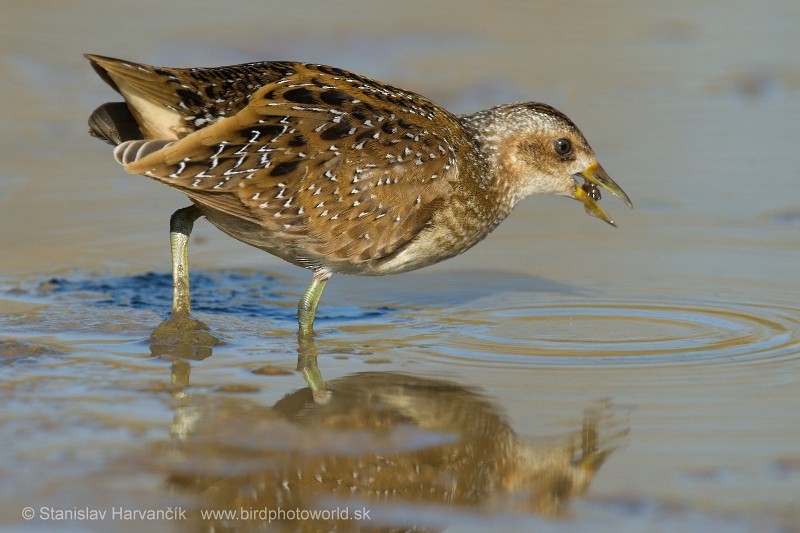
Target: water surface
560	376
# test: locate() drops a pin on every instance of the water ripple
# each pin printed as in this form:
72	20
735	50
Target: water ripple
629	333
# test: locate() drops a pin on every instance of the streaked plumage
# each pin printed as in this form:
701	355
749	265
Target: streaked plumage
334	171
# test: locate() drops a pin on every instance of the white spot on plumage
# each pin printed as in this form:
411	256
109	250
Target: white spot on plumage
220	149
177	172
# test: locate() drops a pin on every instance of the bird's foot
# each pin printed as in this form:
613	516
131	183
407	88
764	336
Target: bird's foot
183	336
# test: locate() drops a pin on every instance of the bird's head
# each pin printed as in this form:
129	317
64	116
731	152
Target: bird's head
536	149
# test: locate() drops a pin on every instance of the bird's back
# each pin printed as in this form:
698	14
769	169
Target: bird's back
169	103
315	164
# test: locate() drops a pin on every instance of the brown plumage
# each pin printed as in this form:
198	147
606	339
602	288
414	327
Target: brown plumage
383	439
334	171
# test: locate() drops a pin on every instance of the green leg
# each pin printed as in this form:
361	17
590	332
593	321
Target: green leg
307	365
180	228
181	335
307	306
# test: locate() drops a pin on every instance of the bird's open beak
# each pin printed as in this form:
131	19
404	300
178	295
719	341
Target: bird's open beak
588	194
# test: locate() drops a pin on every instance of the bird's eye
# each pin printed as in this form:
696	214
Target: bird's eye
563	147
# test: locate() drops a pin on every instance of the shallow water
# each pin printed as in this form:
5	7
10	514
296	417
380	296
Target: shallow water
560	376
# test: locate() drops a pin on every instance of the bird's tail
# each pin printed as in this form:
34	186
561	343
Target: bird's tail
113	122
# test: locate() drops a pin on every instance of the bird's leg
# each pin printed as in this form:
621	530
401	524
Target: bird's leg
180	228
181	335
307	365
307	306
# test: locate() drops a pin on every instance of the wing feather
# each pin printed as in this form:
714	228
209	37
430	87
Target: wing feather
356	166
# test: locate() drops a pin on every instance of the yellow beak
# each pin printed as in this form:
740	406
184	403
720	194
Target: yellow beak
596	176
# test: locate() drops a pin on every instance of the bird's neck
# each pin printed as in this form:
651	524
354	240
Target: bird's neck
496	187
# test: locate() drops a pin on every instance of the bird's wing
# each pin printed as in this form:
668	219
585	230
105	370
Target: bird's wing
353	167
170	103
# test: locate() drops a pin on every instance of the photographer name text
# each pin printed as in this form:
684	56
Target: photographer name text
114	513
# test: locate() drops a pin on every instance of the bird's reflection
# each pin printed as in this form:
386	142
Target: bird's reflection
371	439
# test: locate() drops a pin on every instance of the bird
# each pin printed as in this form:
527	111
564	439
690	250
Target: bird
389	439
334	171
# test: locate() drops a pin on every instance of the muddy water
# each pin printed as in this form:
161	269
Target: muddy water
561	376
